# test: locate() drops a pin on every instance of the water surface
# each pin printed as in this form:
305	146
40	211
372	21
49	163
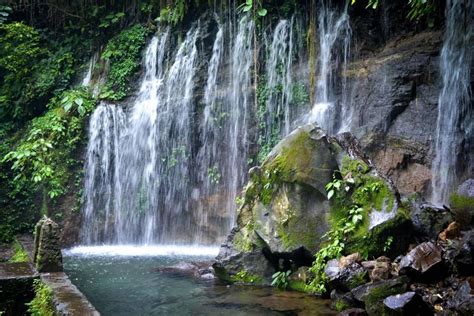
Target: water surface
118	284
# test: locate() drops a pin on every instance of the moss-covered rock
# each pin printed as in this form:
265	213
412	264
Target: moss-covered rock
373	294
285	206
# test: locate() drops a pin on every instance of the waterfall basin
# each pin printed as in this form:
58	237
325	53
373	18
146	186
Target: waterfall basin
136	280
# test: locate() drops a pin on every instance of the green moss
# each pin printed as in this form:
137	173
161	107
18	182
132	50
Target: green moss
242	241
372	243
298	231
340	305
358	279
246	277
374	298
19	253
297	285
42	304
463	208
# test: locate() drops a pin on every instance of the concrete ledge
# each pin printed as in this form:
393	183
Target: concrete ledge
67	298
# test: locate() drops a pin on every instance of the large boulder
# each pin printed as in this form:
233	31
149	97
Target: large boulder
285	208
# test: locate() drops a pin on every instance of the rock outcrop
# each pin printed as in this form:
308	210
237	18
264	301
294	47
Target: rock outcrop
47	251
285	208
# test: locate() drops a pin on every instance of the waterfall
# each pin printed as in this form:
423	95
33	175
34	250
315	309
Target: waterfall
455	121
279	83
101	170
334	32
238	107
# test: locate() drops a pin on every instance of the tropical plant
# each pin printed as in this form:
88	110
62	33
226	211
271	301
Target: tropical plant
280	279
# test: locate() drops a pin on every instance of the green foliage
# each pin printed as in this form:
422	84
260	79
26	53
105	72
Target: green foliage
214	175
245	277
418	9
248	5
111	19
19	254
124	53
42	154
336	237
299	94
280	279
173	14
32	73
42	304
463	208
388	243
19	51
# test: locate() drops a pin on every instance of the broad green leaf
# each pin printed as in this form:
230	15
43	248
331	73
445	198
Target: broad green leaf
330	194
262	12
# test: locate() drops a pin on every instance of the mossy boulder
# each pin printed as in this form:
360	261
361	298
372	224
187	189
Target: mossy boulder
285	207
373	294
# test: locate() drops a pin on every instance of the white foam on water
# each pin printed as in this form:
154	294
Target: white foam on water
143	251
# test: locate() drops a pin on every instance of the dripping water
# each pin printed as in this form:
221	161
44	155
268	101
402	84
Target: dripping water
334	41
455	122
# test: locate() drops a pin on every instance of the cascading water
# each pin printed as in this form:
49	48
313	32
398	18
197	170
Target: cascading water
334	33
455	121
279	82
145	182
144	185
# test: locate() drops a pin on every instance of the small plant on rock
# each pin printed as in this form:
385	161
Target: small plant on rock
280	279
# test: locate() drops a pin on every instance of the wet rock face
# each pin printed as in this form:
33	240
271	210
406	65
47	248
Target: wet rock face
47	253
463	301
465	257
396	107
429	220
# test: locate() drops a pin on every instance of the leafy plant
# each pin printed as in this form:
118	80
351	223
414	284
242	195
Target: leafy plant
335	238
19	254
388	244
214	175
173	14
111	19
77	99
280	279
124	53
338	184
41	154
42	304
249	4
